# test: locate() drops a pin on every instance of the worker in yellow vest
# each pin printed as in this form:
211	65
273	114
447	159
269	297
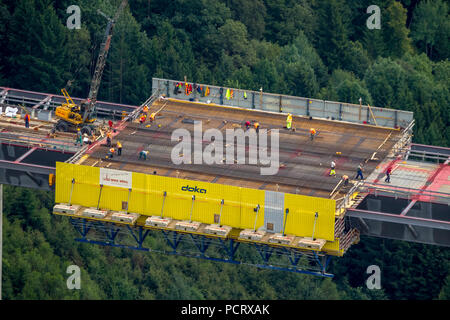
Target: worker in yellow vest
333	169
152	117
119	148
256	125
289	122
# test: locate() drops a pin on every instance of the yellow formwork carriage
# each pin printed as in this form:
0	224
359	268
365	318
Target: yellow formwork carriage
147	196
302	210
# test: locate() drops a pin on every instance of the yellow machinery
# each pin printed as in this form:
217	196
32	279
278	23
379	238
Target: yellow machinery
70	116
82	116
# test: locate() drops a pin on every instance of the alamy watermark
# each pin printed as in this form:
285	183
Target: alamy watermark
213	153
74	280
74	20
374	281
374	21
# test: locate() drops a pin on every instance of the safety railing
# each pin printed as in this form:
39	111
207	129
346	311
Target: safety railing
301	106
344	202
407	193
39	142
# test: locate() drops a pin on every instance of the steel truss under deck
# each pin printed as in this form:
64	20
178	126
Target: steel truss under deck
196	246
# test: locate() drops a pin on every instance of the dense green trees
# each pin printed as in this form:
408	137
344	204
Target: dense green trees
319	49
431	27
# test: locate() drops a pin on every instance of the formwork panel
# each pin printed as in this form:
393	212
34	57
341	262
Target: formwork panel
86	188
112	198
302	209
250	199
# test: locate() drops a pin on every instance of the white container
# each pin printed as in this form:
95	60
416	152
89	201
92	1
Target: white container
187	226
157	222
124	217
65	208
217	230
94	213
280	239
249	234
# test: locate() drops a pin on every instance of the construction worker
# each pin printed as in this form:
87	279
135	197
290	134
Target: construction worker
333	167
360	172
142	119
247	125
145	110
256	125
289	122
388	175
108	139
79	138
119	148
143	154
27	120
152	117
345	178
312	131
110	154
86	139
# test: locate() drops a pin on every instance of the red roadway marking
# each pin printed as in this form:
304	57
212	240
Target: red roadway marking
432	178
26	154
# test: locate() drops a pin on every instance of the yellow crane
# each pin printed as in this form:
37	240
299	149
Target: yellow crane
72	116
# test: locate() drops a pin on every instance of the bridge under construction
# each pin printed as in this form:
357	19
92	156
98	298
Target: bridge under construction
295	219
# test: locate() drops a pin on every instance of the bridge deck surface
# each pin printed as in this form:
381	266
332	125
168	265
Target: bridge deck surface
305	164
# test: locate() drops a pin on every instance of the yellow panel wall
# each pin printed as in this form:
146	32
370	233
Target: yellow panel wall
86	188
250	198
238	211
300	219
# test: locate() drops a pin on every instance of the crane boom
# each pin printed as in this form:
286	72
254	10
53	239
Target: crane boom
89	107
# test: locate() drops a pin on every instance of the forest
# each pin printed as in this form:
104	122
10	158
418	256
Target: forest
319	48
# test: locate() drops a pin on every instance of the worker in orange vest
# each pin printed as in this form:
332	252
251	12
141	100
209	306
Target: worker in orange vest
110	154
312	131
108	139
345	178
27	120
143	118
145	110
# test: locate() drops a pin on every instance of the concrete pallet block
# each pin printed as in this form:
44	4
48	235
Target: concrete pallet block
157	222
65	208
217	230
249	234
94	213
124	217
280	239
311	244
187	226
